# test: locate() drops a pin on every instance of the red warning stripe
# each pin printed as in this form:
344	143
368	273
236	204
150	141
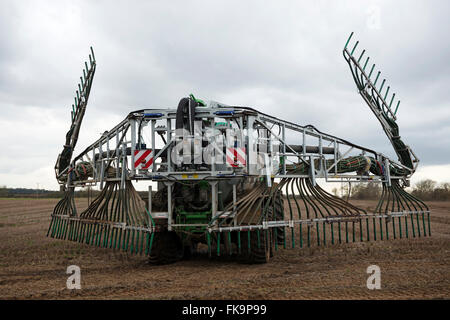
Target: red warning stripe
236	157
143	158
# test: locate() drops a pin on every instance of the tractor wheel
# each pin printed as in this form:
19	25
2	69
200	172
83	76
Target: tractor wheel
167	248
190	250
279	215
260	251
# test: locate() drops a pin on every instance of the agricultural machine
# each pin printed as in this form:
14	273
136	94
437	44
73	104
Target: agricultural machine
232	179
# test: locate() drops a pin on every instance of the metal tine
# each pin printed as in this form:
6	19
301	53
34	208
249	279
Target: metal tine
374	222
81	227
116	244
69	235
424	225
208	240
139	238
147	244
79	88
258	237
276	237
332	232
390	104
382	84
63	229
52	221
128	240
56	230
54	226
396	108
371	70
239	241
365	64
105	236
123	244
132	241
141	245
92	52
77	231
80	231
73	225
88	233
381	228
84	74
393	96
394	232
362	53
85	63
76	102
418	225
354	48
348	40
98	235
82	82
119	241
346	231
151	243
102	236
66	229
110	237
376	79
387	92
136	242
60	229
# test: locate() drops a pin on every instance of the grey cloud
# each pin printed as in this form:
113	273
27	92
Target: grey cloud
283	58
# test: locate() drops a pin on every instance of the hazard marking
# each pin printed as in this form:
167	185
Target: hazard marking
236	157
143	158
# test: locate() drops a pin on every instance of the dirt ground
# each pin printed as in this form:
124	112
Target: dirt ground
33	266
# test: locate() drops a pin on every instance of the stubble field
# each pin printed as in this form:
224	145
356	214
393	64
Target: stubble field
33	266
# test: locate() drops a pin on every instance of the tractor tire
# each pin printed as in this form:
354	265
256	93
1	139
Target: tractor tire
256	255
167	248
279	216
190	251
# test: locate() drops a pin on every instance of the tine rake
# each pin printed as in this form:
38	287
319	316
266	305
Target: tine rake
116	219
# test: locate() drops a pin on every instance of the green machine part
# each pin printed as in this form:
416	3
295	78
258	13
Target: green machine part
193	217
186	217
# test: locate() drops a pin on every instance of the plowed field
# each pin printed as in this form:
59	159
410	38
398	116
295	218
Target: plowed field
33	266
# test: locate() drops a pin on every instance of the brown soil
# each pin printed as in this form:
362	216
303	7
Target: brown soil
33	266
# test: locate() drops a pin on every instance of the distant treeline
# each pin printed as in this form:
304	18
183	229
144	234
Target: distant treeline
41	193
431	190
27	193
427	190
38	193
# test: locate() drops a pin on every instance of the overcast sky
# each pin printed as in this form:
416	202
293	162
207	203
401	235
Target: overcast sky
280	57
